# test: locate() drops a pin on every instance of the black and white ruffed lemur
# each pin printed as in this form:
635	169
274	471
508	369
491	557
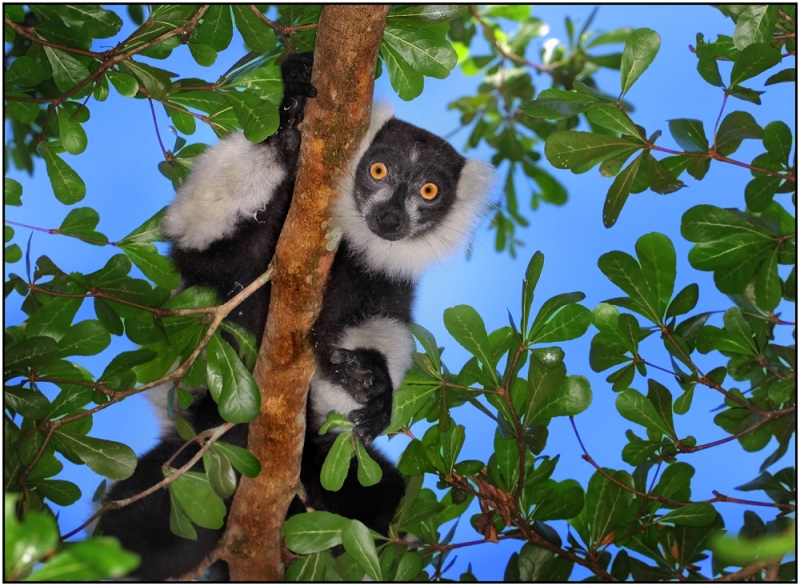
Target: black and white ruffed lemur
408	200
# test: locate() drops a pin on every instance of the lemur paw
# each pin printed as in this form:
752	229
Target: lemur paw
366	379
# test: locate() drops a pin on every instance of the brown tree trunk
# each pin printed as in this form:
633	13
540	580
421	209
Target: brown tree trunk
348	40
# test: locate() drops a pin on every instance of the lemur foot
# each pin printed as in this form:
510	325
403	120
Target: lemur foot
364	376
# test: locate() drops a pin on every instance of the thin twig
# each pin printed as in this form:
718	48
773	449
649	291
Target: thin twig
718	497
213	435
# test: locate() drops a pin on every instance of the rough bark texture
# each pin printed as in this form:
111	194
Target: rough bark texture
348	40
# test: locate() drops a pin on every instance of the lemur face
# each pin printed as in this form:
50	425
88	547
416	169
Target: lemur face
409	199
406	182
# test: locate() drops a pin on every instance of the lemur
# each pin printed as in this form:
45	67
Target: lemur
407	201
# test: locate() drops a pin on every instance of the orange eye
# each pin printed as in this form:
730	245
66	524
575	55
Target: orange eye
429	191
378	170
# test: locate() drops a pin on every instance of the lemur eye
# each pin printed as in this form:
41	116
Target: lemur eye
378	170
429	191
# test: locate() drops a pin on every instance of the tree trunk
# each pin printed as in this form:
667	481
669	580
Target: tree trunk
348	40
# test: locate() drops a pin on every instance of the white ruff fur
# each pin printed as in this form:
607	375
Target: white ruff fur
386	335
234	179
408	257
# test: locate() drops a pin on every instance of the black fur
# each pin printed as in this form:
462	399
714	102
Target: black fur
352	296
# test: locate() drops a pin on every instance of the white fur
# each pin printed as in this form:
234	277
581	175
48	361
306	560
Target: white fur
326	396
408	257
388	336
157	396
231	180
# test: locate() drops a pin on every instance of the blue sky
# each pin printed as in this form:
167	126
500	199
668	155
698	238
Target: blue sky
125	187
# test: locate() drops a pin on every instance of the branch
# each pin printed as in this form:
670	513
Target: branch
220	313
348	39
27	32
212	434
746	572
718	497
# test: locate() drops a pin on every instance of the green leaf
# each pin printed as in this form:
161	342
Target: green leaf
197	499
689	134
67	70
684	302
27	402
337	462
203	54
259	118
573	396
606	502
98	559
412	395
691	515
155	267
718	254
619	191
73	137
708	69
778	140
610	117
542	382
85	338
568	323
768	283
13	253
25	71
532	274
755	24
156	81
179	522
26	542
111	459
358	543
571	149
220	473
97	21
512	12
34	350
369	472
312	532
563	501
623	270
407	82
634	406
735	127
783	76
81	223
684	402
556	109
657	260
256	34
265	81
754	59
149	231
661	399
409	567
216	28
125	84
53	319
61	492
468	329
426	13
641	48
706	223
239	399
309	568
245	462
68	187
12	192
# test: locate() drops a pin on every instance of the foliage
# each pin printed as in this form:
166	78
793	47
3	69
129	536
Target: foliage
641	523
